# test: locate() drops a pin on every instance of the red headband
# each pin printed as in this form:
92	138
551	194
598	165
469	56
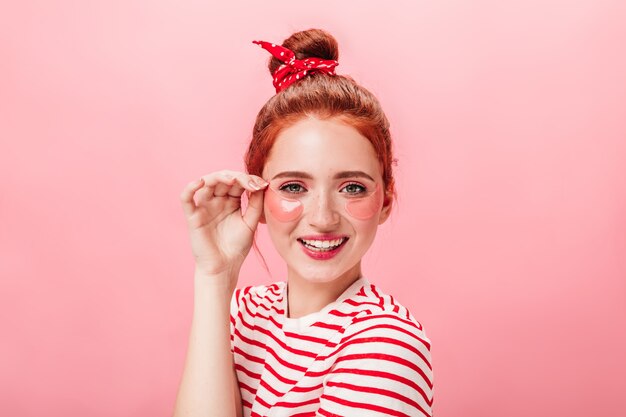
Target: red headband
293	69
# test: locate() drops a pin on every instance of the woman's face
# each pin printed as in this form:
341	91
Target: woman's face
325	199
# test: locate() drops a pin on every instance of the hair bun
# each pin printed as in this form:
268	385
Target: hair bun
307	44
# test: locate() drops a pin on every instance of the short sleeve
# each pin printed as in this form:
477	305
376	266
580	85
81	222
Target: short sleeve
382	368
235	304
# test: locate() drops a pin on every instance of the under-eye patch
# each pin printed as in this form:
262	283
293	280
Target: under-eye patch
282	208
285	209
364	208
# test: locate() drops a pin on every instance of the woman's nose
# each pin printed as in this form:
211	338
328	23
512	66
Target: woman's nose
323	213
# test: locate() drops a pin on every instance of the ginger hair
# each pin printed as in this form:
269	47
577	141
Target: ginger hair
322	96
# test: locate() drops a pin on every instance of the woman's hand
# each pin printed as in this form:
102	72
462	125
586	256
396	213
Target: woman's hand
221	236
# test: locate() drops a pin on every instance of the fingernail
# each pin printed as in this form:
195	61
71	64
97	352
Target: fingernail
254	185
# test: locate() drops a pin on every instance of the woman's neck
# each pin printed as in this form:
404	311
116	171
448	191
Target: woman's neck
306	297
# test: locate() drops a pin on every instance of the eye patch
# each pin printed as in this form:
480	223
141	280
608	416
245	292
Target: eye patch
286	209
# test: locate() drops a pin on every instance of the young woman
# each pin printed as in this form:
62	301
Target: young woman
326	342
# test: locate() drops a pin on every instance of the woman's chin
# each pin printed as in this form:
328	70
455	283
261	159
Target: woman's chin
324	275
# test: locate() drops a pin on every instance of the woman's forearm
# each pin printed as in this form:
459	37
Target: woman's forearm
208	384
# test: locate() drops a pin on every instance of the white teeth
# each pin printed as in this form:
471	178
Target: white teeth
323	244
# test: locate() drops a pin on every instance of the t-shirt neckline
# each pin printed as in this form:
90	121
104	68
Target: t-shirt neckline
301	323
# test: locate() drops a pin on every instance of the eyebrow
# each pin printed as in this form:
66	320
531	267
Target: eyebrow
340	175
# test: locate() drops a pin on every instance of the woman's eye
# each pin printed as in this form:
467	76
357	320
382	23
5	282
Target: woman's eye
292	188
355	189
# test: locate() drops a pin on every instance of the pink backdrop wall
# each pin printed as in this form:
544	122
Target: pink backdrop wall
508	244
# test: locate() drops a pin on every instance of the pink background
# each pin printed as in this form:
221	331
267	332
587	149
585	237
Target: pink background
508	244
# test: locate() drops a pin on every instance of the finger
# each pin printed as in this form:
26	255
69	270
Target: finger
221	190
253	212
186	196
202	196
244	182
214	179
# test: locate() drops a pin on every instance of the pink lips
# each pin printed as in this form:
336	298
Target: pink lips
322	255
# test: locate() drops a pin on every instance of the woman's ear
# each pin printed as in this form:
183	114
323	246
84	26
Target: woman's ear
386	210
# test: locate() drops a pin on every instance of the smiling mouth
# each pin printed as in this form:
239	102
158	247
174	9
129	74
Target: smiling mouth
323	245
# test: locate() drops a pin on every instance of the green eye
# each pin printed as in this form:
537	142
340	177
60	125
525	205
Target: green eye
354	188
293	188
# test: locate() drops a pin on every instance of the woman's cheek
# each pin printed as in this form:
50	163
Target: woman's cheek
281	208
365	208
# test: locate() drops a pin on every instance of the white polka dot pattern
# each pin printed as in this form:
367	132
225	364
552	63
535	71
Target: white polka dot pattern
292	68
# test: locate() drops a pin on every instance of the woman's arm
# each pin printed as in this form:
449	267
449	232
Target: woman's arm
209	385
221	237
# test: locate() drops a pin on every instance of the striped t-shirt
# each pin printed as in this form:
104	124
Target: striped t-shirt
361	355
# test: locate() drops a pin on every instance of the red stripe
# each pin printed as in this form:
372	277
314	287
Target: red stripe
256	314
387	326
272	335
389	358
274	290
355	303
379	391
306	389
247	371
261	401
272	307
342	314
391	316
381	302
278	376
288	404
247	355
247	388
376	374
353	404
251	327
307	338
376	339
397	319
327	325
246	290
386	375
245	306
270	389
396	307
271	351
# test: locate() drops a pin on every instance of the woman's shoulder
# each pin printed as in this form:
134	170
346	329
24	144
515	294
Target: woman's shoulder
387	345
376	311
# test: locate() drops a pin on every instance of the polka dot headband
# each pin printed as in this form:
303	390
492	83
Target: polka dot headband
294	69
